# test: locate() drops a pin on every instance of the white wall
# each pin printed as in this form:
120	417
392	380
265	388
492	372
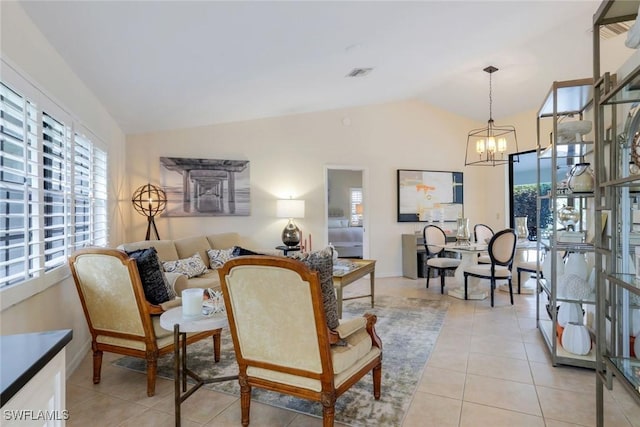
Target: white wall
287	158
23	46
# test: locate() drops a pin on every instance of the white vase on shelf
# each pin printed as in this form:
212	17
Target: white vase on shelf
577	264
575	287
546	266
576	339
569	312
592	280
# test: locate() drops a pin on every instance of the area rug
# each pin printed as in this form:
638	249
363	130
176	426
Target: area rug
408	328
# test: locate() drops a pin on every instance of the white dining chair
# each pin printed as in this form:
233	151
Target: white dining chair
434	239
502	248
482	234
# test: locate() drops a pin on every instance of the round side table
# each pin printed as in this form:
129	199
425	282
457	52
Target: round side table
172	320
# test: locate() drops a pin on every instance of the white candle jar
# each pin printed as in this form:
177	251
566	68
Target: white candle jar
192	302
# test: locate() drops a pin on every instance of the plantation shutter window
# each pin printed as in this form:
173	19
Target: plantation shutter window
17	124
53	186
56	155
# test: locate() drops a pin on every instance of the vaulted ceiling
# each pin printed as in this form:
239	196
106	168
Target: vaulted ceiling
159	65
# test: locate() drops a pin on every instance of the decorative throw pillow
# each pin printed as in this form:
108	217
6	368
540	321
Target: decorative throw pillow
240	251
322	262
155	284
217	257
190	267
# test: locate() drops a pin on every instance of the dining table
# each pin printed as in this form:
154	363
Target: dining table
469	256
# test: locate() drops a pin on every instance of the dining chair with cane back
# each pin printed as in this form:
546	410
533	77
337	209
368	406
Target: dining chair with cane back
502	248
434	238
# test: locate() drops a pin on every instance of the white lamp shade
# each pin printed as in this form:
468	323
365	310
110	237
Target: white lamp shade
290	208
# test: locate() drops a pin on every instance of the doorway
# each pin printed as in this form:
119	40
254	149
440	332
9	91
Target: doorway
346	210
523	192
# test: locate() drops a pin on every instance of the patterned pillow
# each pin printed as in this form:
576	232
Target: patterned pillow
322	262
217	257
190	267
155	284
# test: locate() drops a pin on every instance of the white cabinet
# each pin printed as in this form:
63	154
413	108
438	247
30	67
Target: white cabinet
32	379
41	402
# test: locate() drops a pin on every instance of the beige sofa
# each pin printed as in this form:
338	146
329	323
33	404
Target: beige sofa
172	250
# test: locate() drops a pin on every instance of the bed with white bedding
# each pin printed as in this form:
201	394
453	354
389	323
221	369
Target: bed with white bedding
345	239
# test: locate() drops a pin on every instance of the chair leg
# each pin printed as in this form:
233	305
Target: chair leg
428	276
216	345
519	281
493	285
97	366
328	409
245	398
152	371
511	290
377	380
442	274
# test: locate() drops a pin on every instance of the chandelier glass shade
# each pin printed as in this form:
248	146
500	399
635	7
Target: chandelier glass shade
491	145
150	201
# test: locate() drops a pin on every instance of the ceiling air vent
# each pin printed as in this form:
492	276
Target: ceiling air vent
611	30
359	72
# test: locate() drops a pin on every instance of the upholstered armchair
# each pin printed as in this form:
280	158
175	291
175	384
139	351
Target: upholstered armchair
281	338
117	313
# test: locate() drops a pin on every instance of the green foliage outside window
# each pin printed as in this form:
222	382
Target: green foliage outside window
524	203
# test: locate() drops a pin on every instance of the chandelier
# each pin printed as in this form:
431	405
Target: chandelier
491	145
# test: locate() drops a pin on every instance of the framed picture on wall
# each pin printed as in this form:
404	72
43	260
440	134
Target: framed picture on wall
205	187
429	196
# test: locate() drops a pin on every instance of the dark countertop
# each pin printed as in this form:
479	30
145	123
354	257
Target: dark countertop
22	356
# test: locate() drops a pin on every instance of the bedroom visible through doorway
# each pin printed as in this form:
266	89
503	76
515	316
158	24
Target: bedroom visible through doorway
346	211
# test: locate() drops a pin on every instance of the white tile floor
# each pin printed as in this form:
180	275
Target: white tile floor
489	368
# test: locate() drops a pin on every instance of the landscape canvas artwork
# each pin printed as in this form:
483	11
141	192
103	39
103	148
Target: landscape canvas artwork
205	187
429	196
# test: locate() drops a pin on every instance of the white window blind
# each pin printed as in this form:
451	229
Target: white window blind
53	188
56	175
90	194
16	126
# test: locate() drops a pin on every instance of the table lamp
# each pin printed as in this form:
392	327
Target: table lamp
289	208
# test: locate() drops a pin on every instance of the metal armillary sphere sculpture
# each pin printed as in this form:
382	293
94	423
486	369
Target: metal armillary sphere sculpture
150	201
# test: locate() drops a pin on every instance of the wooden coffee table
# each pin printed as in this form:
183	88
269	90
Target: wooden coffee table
343	278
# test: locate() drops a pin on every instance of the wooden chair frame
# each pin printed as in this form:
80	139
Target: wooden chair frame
152	351
329	393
